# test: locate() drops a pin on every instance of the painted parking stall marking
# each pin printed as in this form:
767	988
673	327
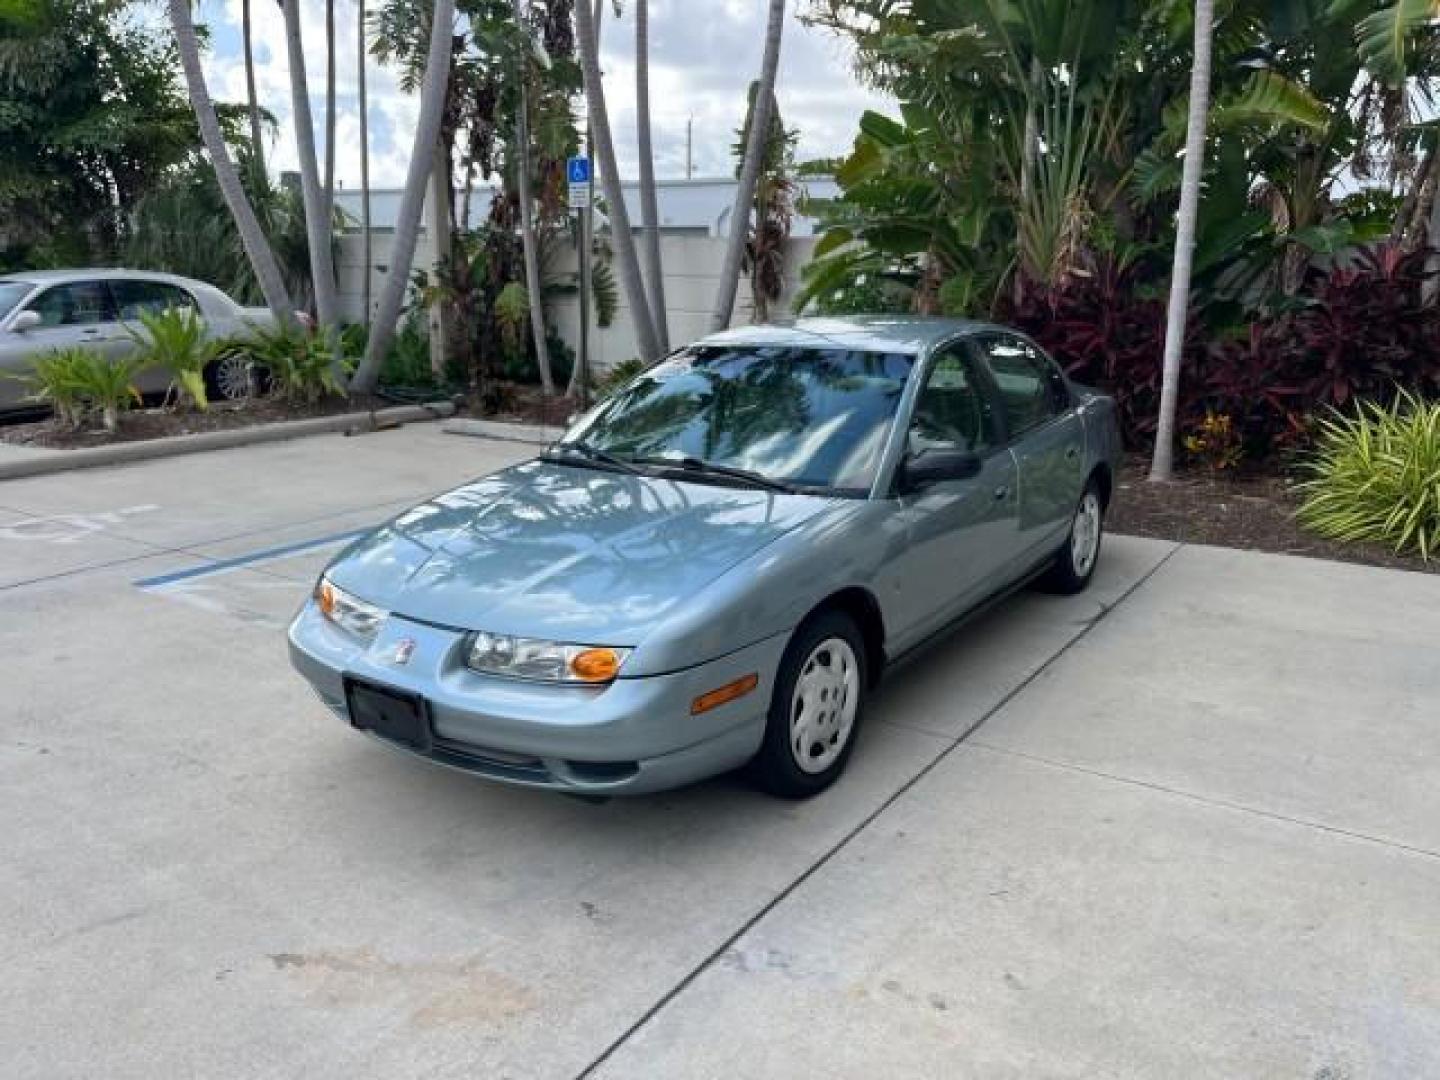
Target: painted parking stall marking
69	528
224	587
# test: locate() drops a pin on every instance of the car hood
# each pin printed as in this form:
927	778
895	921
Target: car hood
564	553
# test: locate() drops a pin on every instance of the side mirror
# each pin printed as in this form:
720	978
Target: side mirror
936	466
26	320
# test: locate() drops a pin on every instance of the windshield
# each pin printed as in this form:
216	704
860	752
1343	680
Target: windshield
810	417
11	293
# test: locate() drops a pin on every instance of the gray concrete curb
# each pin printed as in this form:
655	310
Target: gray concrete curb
534	434
124	453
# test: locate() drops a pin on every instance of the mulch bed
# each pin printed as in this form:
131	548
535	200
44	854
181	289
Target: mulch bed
155	423
1254	512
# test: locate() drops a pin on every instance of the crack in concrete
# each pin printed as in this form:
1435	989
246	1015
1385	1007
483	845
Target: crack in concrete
726	946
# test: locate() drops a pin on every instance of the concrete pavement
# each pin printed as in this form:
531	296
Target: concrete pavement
1193	834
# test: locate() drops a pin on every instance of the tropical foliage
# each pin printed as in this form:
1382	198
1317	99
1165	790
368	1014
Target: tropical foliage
774	204
91	118
1375	477
300	364
175	340
1032	173
480	260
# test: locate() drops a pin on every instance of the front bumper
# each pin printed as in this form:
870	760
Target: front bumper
630	737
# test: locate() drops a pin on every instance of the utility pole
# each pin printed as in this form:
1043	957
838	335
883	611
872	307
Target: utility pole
690	148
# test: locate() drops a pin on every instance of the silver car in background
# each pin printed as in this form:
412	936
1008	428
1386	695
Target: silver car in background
714	565
96	309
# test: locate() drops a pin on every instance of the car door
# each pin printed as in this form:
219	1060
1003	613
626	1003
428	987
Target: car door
1046	435
76	314
134	297
960	534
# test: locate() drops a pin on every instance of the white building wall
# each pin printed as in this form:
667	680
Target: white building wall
692	275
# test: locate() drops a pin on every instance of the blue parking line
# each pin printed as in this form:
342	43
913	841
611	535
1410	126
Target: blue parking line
221	565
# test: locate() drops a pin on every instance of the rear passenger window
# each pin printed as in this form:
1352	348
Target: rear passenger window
132	298
1026	382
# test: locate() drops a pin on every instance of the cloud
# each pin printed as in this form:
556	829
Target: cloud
699	69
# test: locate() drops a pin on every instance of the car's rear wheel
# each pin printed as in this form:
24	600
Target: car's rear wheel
1075	562
816	708
234	377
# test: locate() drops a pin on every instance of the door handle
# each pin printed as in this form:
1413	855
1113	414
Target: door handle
1071	453
1002	493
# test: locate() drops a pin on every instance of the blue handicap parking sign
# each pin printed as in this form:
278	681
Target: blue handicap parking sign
579	170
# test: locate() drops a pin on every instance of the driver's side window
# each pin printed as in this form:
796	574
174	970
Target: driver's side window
952	411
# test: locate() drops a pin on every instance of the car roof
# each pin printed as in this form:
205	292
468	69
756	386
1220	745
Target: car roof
105	273
909	334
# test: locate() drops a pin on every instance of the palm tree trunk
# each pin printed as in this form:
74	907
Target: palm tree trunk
621	236
527	210
750	172
1162	464
317	220
329	113
257	147
364	163
1430	287
252	236
412	200
649	202
576	387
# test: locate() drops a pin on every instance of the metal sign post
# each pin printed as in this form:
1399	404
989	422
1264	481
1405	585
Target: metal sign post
582	200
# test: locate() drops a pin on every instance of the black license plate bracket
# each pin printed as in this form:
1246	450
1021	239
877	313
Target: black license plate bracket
397	715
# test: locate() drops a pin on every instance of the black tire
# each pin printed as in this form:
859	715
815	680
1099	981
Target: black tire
776	767
1071	572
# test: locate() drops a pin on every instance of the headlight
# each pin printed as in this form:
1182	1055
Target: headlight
526	658
350	613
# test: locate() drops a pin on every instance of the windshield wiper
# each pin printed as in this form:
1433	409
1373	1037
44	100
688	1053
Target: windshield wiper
567	453
710	468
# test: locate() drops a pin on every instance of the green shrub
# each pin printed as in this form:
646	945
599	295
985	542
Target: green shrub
1375	476
408	361
175	339
107	386
56	380
301	363
519	365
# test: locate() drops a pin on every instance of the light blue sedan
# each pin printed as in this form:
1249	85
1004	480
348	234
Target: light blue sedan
715	565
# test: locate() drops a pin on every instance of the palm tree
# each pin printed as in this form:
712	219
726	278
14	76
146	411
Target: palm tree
527	208
750	173
364	160
252	236
576	387
649	208
412	200
317	218
621	237
257	147
1162	464
329	111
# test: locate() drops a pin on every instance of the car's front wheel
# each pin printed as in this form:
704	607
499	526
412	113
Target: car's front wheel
1075	562
816	708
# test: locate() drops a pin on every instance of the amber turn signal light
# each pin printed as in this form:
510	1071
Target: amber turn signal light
596	665
722	694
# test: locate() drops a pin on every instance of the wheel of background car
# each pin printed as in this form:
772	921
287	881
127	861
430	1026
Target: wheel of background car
1075	562
815	710
234	378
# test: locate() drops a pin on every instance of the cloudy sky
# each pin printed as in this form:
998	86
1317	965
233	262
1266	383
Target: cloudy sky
703	54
